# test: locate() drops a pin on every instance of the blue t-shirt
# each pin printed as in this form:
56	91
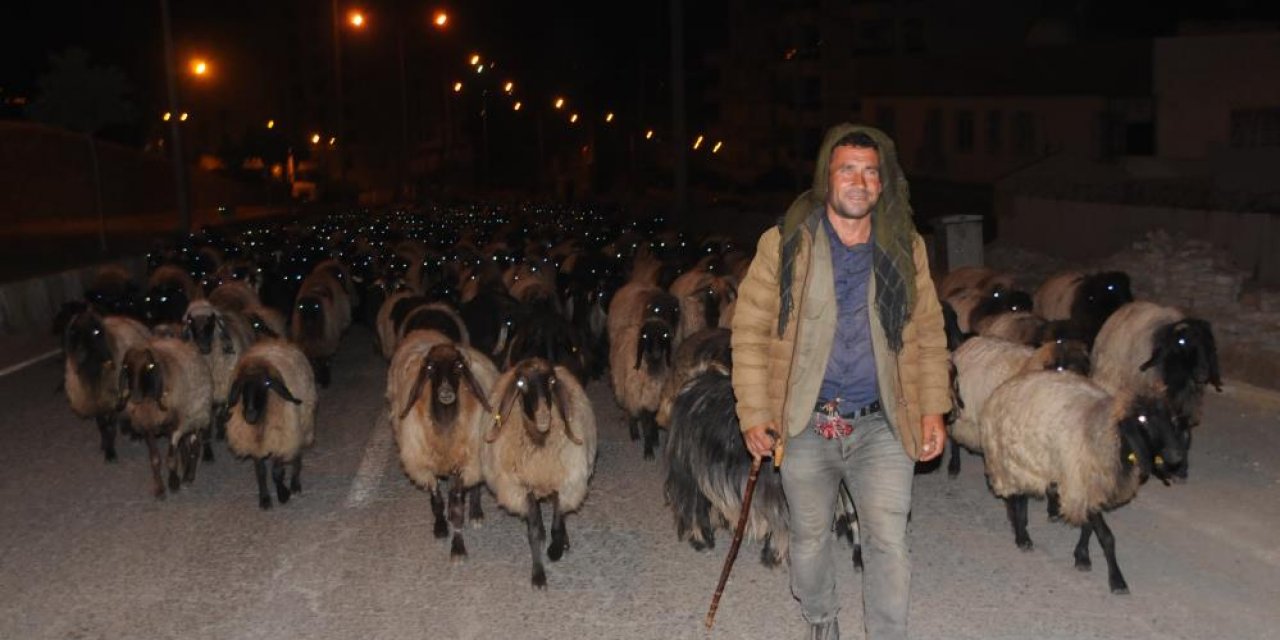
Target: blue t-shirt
851	369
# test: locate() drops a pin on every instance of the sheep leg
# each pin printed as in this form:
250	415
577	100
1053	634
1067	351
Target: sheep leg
457	494
768	555
702	512
633	427
1017	508
1108	542
277	477
1083	563
559	536
221	413
953	465
260	471
536	534
190	452
441	529
153	453
650	423
295	482
321	368
1055	504
175	453
476	513
107	431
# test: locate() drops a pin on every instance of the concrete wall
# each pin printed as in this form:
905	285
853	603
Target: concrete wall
1073	230
29	306
1200	79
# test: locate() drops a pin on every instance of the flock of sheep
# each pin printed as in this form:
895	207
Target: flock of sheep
492	322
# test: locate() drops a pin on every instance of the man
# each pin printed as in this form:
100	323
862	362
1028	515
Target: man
839	355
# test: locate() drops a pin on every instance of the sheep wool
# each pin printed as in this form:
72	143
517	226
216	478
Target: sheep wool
286	428
1125	343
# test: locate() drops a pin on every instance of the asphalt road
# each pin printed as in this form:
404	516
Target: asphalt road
85	552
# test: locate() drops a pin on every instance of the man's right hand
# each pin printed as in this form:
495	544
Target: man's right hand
761	440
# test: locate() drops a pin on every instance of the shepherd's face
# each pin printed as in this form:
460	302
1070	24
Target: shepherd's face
853	187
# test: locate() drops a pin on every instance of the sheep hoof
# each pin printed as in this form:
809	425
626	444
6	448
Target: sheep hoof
158	492
857	559
264	503
283	494
110	455
477	522
458	550
648	454
698	545
1118	586
175	482
539	578
769	559
556	550
441	530
1084	564
295	486
1025	544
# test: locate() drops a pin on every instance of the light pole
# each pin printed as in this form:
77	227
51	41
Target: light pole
175	136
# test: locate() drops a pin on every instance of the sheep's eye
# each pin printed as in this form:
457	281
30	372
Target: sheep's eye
150	366
521	384
666	334
1111	287
164	298
1142	419
96	332
1182	341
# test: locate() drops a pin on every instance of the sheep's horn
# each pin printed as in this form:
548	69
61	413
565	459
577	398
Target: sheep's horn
504	407
562	405
282	389
237	388
1157	355
417	388
475	386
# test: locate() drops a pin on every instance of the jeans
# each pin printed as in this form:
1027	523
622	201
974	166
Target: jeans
878	473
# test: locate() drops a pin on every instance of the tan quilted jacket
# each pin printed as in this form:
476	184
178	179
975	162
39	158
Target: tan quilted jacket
778	379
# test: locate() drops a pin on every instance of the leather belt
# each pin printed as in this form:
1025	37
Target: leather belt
874	407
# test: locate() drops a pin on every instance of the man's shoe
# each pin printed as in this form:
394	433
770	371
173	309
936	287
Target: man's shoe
829	630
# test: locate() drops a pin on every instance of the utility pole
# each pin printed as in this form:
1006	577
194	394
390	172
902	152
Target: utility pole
678	135
337	83
175	136
404	114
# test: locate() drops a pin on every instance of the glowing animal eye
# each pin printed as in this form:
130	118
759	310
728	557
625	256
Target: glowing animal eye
164	298
520	383
1133	458
150	366
96	332
1182	341
1142	419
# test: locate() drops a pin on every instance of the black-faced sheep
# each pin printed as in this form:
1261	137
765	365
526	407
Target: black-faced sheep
234	295
165	392
437	398
706	297
266	322
277	428
998	303
982	364
982	279
707	468
1061	435
316	329
1087	300
221	337
95	347
169	290
691	358
1155	348
337	293
542	446
642	337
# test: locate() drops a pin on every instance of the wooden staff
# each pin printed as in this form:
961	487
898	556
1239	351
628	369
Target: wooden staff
739	530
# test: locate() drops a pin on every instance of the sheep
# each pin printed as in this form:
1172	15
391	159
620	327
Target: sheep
998	302
221	337
315	328
695	353
1084	299
1153	348
113	292
437	427
639	362
542	446
341	300
166	391
705	297
266	322
234	295
169	291
1062	436
1022	327
983	279
707	468
262	429
981	365
95	347
539	331
438	316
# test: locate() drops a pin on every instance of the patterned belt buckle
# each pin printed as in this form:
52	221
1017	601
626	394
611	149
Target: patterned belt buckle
830	423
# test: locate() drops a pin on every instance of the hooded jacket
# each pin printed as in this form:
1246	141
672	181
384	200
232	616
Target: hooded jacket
785	317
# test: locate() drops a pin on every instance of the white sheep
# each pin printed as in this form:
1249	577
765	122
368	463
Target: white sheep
1060	435
265	428
234	295
95	347
439	427
542	446
166	391
982	364
642	337
983	279
221	337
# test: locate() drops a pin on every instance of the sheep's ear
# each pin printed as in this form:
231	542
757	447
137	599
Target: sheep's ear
563	405
1157	352
504	409
640	344
475	386
188	333
417	387
276	384
224	335
237	388
124	387
1207	354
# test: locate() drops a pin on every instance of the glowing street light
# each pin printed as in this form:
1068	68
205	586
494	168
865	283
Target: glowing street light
271	124
479	68
573	118
716	149
315	138
199	66
559	103
648	135
182	117
167	116
517	105
457	87
475	59
608	117
697	143
441	19
356	18
509	87
333	141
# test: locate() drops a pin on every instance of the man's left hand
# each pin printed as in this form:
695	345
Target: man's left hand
933	437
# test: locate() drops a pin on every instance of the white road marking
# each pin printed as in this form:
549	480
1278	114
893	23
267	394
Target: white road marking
26	363
374	463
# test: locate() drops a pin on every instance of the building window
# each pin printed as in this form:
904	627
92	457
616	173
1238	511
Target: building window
884	120
1024	133
995	124
964	130
1255	127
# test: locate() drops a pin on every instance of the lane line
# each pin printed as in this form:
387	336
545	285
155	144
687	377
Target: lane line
26	363
376	455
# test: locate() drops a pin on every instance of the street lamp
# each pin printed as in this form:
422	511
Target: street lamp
356	18
441	19
199	67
